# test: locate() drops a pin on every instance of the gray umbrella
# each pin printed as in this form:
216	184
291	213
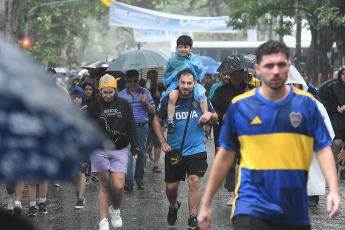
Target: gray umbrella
237	62
138	59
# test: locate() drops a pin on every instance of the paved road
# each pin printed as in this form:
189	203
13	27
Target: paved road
146	209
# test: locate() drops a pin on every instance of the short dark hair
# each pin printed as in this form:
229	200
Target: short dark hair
152	71
271	47
184	40
208	75
76	94
132	73
186	71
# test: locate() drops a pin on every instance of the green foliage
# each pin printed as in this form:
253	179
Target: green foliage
58	31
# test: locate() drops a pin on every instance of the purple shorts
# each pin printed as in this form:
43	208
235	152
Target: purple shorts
109	160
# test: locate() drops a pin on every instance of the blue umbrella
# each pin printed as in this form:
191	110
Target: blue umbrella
212	69
207	61
42	134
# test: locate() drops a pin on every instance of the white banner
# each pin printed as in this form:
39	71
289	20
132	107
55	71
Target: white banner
131	16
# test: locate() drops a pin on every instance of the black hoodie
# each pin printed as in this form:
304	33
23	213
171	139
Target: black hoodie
119	117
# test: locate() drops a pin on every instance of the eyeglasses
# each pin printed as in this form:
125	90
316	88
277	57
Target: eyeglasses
111	94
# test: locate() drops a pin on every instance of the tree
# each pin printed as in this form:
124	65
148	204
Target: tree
10	12
317	12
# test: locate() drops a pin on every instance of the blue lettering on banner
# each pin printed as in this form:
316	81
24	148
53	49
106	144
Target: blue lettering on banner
131	16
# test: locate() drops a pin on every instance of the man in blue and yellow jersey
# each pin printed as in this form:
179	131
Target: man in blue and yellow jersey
276	128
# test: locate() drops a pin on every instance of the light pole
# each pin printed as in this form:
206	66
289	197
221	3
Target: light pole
43	4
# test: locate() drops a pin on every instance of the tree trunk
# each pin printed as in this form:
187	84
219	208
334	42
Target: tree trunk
10	12
298	40
312	68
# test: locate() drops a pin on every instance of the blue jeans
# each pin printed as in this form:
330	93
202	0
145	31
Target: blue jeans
141	160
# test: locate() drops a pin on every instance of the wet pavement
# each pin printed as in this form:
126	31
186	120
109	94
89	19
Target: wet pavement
146	209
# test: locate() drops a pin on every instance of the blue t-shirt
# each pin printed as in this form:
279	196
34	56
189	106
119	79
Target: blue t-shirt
195	136
276	141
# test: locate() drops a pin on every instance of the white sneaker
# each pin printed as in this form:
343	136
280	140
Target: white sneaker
17	207
115	217
10	204
104	224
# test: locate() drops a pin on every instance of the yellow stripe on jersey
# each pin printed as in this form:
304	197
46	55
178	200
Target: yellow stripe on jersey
301	92
244	95
236	191
291	151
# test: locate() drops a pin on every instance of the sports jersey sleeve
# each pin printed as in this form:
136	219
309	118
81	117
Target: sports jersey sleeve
321	135
161	111
229	136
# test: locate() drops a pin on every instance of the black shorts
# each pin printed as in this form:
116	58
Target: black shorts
247	222
339	134
195	164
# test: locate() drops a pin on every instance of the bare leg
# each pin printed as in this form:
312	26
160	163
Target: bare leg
80	183
43	189
172	193
173	96
19	189
157	155
203	107
32	190
104	189
118	180
194	195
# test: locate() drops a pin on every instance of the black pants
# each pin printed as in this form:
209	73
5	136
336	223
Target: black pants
247	222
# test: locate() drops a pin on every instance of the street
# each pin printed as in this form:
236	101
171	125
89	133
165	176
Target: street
146	209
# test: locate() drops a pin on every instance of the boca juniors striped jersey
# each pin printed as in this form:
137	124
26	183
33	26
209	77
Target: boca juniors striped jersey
276	141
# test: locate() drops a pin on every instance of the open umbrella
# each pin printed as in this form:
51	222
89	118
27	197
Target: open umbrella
138	59
207	61
96	65
42	134
236	62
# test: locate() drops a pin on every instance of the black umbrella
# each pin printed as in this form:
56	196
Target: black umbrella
43	135
237	62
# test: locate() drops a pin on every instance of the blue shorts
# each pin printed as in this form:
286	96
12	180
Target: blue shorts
153	135
109	160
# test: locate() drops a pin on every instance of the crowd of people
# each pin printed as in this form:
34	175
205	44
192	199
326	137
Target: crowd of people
267	135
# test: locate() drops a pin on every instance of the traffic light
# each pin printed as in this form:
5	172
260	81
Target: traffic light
26	42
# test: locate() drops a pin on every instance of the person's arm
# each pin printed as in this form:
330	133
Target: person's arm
132	132
211	115
327	164
220	168
156	124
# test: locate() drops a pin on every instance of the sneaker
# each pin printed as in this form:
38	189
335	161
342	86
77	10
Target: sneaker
17	207
140	185
128	188
32	211
193	222
104	224
94	178
172	214
55	184
10	205
42	208
115	217
156	170
171	128
80	203
88	181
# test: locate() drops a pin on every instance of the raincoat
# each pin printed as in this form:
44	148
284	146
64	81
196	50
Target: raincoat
176	65
316	181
